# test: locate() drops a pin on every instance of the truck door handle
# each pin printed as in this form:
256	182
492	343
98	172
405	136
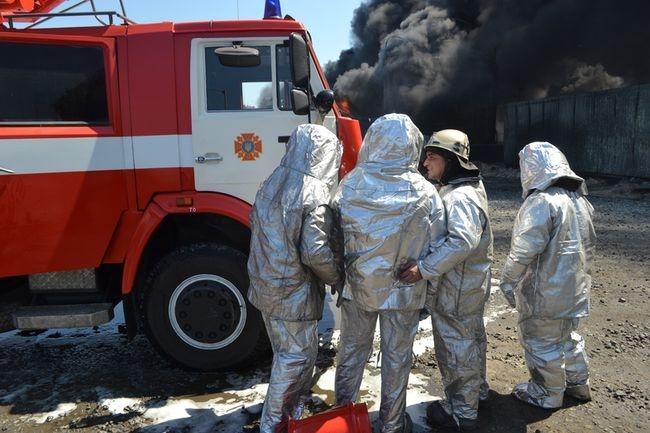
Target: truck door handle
6	170
209	157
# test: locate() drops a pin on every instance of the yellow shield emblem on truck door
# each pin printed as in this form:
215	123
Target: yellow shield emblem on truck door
248	146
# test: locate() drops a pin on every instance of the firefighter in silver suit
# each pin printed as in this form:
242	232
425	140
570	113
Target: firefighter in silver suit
384	207
291	259
461	265
547	276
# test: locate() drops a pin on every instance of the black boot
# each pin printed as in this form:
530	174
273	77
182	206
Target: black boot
437	416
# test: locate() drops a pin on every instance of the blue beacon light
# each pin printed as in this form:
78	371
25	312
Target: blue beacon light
272	10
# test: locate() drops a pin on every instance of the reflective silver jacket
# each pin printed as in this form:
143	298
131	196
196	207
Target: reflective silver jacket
389	214
290	253
462	261
549	265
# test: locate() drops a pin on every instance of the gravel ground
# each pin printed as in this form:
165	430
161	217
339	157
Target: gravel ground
96	381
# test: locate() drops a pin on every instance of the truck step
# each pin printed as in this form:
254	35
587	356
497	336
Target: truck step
62	316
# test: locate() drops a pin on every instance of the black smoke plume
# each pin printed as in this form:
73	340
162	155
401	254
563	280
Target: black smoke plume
443	61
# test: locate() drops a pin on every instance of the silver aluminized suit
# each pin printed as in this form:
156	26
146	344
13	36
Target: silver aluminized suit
548	271
290	261
461	264
384	206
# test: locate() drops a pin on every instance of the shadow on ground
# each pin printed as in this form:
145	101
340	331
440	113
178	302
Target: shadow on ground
504	413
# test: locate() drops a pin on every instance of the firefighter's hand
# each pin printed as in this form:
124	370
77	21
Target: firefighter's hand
336	288
410	274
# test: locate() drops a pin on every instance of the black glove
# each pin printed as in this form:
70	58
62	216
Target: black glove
338	290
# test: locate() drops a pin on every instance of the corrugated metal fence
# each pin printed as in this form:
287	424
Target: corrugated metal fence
604	132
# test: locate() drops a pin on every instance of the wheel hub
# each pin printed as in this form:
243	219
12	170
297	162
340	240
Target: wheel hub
207	311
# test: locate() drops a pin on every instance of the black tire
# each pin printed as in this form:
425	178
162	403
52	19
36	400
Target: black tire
201	283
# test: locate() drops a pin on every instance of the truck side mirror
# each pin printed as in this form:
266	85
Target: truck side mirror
299	61
300	102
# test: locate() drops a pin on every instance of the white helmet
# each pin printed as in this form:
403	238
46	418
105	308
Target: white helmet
454	141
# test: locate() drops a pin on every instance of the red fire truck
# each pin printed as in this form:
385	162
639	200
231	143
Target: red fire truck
130	155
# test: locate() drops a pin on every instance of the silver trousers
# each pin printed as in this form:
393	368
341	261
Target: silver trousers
460	344
398	329
295	346
556	359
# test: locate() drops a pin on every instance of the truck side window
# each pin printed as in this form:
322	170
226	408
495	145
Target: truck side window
52	84
283	73
239	88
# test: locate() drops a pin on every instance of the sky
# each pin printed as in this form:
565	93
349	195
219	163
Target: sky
328	21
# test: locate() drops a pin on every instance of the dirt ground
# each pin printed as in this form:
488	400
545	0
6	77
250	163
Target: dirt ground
96	381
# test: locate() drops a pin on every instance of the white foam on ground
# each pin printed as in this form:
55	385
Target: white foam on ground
418	397
121	405
61	410
424	337
326	383
228	415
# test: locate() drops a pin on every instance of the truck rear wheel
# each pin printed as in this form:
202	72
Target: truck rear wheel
196	310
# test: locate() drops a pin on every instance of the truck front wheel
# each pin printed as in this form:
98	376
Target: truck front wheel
196	310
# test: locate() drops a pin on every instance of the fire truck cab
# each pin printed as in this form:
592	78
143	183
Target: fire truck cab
130	156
